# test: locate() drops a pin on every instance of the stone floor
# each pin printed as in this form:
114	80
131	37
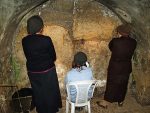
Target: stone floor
130	106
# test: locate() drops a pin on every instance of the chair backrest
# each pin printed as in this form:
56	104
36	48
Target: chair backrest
83	88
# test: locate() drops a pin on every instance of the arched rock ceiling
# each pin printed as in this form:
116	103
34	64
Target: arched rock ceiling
128	10
134	11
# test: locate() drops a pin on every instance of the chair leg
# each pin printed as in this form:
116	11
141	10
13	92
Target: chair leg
89	107
67	106
72	108
86	109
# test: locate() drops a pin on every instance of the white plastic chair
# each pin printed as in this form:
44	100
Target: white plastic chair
82	89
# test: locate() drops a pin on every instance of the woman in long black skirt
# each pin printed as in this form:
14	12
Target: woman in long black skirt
120	66
40	55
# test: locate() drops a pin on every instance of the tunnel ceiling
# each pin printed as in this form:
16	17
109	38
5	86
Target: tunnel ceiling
135	11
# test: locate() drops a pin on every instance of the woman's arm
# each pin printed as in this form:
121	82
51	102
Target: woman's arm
52	50
110	45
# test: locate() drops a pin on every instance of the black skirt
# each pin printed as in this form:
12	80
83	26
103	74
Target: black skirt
116	88
46	92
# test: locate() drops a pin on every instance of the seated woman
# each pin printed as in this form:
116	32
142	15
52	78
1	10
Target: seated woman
80	71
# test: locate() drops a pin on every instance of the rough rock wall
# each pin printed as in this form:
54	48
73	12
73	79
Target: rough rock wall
72	28
11	14
134	11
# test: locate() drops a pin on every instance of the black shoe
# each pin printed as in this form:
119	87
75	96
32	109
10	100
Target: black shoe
120	104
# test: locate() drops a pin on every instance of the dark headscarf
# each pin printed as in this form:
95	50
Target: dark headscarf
80	58
34	24
124	29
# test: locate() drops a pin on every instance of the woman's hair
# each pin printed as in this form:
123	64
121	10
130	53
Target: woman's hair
80	59
34	24
74	65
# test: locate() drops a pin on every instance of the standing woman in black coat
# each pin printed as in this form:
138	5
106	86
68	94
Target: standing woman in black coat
120	66
40	55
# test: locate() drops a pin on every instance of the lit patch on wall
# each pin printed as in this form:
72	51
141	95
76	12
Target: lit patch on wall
64	49
61	69
101	83
61	72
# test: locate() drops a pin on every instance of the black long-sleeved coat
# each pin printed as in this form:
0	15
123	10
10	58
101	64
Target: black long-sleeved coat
40	55
122	50
39	51
120	67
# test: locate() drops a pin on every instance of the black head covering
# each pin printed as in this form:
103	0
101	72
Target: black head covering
34	24
124	29
80	58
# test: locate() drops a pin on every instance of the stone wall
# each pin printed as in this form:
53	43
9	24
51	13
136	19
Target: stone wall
89	30
83	25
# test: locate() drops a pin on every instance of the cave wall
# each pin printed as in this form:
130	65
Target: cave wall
135	12
72	28
11	14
